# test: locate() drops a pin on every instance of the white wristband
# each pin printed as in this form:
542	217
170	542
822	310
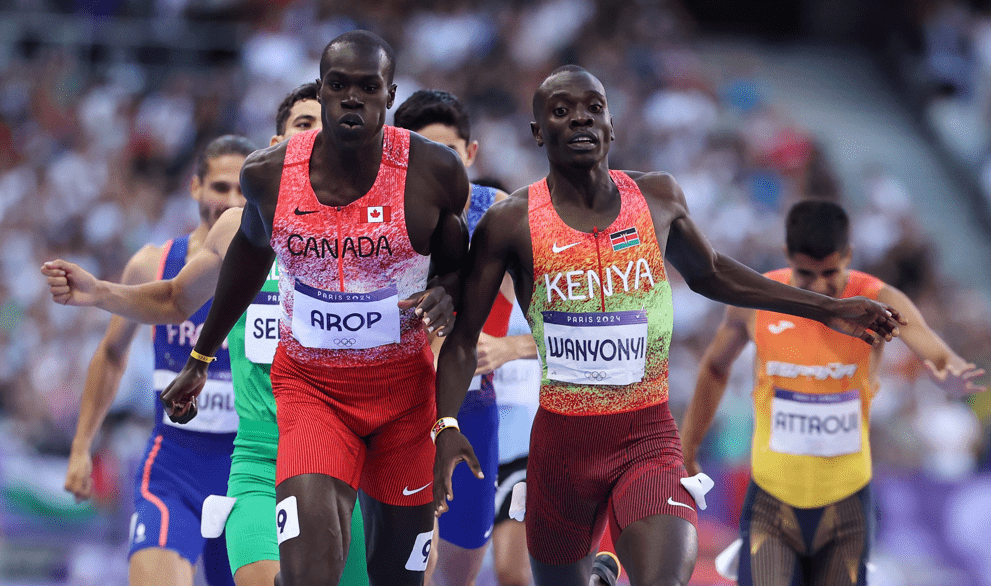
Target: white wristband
442	424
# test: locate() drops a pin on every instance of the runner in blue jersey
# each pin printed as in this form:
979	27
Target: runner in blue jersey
182	464
466	530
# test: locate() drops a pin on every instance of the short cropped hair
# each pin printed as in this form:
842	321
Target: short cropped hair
539	96
307	91
229	144
817	228
426	107
365	41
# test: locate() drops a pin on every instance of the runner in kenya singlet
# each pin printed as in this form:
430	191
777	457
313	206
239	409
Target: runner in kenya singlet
601	316
601	311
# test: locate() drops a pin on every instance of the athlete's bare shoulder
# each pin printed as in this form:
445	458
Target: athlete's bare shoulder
438	169
662	193
262	172
506	221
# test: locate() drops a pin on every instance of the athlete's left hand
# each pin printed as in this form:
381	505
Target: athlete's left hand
956	380
435	307
179	398
492	353
452	448
863	318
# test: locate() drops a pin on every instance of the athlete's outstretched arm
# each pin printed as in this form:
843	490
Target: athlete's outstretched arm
103	379
156	302
242	274
482	275
951	372
731	338
723	279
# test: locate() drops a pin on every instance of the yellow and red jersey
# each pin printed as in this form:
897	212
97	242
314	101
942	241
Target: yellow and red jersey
812	404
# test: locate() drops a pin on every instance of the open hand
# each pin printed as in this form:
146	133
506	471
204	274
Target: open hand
435	307
956	380
452	447
860	317
70	284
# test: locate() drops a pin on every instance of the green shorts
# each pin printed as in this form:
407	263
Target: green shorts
250	529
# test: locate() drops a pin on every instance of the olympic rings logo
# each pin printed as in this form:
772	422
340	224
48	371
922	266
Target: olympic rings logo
346	342
596	375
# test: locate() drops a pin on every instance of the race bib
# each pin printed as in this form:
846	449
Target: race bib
261	328
215	405
815	425
335	320
595	348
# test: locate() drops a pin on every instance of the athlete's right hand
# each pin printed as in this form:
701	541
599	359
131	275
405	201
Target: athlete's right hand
179	398
452	447
691	463
69	283
79	476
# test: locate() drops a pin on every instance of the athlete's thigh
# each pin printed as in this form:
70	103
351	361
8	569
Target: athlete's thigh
155	566
260	573
775	559
841	543
313	528
573	574
216	565
397	541
660	549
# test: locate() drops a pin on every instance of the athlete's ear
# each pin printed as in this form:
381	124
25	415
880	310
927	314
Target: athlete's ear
392	96
319	83
196	187
276	139
471	151
535	129
612	129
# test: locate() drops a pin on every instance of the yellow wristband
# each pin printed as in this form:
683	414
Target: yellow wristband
442	424
202	357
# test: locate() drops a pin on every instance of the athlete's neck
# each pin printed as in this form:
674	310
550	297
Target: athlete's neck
591	189
196	239
344	171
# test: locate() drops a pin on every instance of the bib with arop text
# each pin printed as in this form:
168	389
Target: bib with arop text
335	320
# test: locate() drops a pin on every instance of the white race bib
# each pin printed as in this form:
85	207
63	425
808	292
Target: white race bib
595	348
815	425
215	405
517	382
345	321
261	328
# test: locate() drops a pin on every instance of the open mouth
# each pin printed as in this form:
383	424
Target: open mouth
583	139
351	120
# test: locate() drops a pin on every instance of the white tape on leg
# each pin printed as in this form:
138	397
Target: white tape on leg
697	486
287	519
216	509
417	561
728	560
517	506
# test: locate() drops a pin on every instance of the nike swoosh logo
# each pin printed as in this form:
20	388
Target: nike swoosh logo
556	249
407	491
300	212
671	501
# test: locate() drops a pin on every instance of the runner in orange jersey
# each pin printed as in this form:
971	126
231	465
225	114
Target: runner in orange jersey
807	509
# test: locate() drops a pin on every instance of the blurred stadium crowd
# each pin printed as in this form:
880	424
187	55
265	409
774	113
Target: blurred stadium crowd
97	141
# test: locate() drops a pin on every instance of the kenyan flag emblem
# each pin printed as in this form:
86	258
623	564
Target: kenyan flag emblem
624	239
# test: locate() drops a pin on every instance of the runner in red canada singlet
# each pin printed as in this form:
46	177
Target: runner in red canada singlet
585	248
365	221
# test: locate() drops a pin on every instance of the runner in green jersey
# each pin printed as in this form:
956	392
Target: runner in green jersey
250	503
